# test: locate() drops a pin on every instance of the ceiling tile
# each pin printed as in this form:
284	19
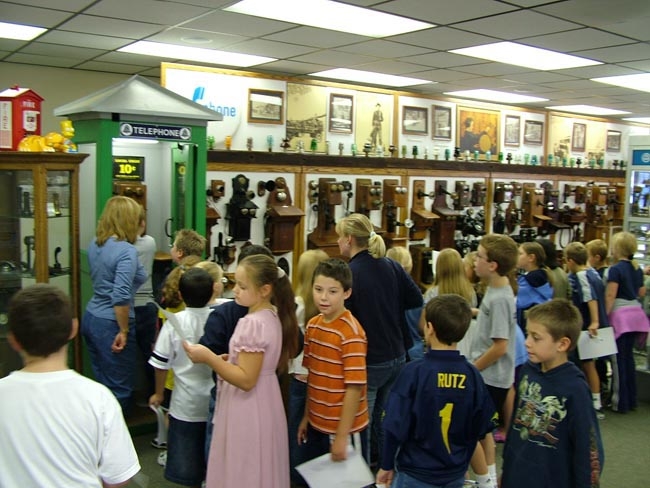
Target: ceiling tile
443	11
616	54
156	12
238	24
129	58
636	28
23	14
11	44
442	75
638	65
41	60
183	37
311	36
483	82
294	67
68	5
56	50
384	49
575	40
391	67
597	12
112	67
347	60
574	85
539	77
443	60
598	71
443	38
263	47
516	25
88	40
110	27
494	69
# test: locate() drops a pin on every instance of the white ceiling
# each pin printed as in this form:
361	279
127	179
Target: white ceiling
85	34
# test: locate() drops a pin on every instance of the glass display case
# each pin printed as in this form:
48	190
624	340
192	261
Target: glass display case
637	215
39	232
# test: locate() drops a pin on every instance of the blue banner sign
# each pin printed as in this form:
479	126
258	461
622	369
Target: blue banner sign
641	157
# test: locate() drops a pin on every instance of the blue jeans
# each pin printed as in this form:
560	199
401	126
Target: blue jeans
185	463
381	377
116	371
146	323
297	399
403	480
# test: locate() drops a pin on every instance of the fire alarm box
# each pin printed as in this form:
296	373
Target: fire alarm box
20	116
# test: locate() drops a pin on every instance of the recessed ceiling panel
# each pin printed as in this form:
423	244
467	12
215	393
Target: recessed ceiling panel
518	24
311	36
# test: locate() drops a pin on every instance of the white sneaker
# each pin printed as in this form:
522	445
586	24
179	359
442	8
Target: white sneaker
162	458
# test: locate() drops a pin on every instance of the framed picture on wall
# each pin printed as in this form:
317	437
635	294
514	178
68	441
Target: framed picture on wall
533	132
512	130
613	140
478	130
415	120
265	106
441	122
341	113
579	137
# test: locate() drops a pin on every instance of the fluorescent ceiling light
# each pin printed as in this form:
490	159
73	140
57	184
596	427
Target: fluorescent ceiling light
587	110
369	77
173	51
330	15
526	56
20	32
496	96
639	82
641	120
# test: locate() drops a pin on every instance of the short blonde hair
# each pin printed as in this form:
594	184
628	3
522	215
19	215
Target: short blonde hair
598	247
624	246
121	218
401	255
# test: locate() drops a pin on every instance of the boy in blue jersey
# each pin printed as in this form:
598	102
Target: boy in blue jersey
554	439
438	408
588	294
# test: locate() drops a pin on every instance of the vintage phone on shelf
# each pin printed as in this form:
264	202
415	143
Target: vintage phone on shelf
445	227
241	209
422	217
395	198
281	218
328	195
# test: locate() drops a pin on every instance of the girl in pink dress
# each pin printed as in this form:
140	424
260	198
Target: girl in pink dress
250	445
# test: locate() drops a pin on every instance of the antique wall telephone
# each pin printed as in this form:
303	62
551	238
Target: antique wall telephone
445	227
328	195
422	218
241	209
368	196
215	192
281	217
132	189
395	198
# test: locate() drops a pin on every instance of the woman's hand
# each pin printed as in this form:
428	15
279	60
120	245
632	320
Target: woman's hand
119	343
384	478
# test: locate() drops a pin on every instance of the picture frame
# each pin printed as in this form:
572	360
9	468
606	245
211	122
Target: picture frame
578	137
341	113
613	140
512	130
478	130
415	120
441	122
265	106
533	132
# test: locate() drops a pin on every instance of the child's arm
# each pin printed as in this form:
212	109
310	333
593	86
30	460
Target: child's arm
593	318
493	353
349	410
243	375
157	398
610	295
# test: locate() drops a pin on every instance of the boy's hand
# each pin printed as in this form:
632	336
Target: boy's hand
302	431
339	448
593	329
197	352
384	477
155	400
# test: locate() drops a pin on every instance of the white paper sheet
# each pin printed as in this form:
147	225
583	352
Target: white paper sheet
173	321
603	344
322	472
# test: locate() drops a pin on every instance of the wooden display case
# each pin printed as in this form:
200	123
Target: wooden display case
39	232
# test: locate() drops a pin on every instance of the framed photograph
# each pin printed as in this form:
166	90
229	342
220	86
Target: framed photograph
341	113
441	122
415	120
613	140
533	132
512	130
265	106
578	137
478	130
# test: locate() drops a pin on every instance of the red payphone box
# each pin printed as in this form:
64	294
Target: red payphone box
20	116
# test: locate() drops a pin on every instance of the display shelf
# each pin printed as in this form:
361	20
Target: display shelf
39	231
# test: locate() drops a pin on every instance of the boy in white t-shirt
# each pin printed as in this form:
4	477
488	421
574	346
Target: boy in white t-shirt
57	427
188	410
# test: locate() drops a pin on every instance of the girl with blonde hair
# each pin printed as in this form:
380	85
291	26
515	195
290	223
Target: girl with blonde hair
451	277
381	293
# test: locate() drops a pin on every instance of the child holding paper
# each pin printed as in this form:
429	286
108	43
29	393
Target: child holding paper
588	294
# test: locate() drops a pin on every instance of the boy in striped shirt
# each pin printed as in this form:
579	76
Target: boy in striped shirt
335	355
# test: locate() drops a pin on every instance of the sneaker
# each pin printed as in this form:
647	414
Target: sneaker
470	484
162	458
600	414
157	444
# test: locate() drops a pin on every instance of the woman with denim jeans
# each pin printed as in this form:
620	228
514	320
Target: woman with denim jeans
108	325
381	293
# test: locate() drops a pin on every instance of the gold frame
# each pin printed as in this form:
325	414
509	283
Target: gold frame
261	112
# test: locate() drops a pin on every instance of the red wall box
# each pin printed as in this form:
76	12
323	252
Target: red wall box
20	116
